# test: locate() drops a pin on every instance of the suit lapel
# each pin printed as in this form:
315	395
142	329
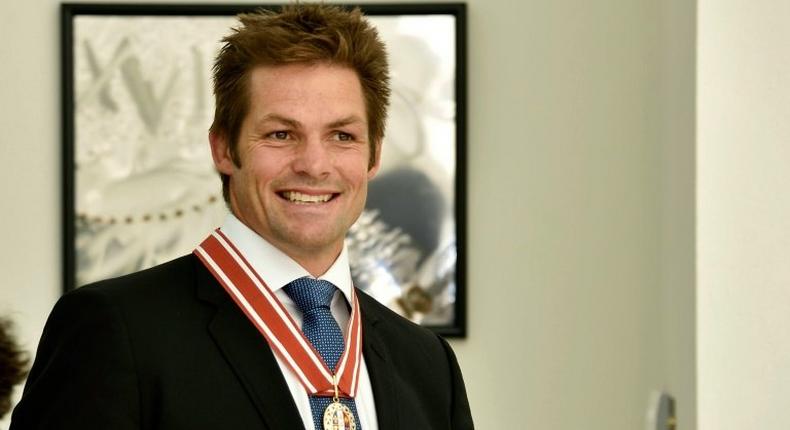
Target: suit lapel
254	364
249	356
379	367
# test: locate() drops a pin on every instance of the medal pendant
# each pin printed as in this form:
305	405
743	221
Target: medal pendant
338	416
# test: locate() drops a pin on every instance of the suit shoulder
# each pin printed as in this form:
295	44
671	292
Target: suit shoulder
139	304
399	326
161	279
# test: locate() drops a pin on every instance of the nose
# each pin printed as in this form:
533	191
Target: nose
313	158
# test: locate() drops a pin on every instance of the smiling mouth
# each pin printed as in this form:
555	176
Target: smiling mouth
306	199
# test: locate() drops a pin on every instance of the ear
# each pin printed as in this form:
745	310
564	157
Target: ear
220	152
377	164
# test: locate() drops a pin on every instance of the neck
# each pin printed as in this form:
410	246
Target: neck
316	263
316	260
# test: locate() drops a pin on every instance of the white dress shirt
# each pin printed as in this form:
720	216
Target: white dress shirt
277	270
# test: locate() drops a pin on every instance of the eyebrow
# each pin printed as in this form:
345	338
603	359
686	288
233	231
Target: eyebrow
352	119
290	122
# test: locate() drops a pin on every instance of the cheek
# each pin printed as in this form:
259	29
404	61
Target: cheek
263	170
356	166
251	185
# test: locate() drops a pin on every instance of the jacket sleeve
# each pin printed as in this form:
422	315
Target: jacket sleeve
460	413
83	376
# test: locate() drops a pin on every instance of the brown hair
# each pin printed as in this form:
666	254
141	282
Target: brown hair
298	33
13	363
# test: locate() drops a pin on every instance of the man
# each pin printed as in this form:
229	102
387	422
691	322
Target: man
260	327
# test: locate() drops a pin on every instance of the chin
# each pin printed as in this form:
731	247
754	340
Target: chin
308	240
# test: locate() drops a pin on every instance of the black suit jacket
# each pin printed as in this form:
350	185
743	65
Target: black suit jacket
166	348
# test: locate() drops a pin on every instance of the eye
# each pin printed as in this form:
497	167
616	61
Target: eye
343	136
278	135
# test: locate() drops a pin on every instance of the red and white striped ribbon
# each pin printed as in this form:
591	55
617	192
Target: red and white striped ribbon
270	317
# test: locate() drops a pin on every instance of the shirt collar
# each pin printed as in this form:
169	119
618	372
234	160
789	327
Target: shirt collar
275	267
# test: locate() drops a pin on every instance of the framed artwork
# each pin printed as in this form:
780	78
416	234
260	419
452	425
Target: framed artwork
139	187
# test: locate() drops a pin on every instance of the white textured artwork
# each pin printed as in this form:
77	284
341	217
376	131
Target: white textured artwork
146	191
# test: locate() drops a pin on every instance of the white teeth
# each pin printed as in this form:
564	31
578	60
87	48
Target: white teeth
296	197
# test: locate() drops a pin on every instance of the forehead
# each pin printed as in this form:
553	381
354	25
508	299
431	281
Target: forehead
306	89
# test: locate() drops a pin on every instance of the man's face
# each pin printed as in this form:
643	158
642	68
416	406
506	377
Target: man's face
304	153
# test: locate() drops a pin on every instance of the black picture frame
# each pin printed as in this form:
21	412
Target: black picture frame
71	50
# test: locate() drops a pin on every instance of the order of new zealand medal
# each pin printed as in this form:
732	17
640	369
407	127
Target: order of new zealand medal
338	416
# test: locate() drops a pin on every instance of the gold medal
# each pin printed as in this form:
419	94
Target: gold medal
338	416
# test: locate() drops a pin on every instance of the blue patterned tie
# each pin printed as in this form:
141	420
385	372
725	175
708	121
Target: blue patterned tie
312	297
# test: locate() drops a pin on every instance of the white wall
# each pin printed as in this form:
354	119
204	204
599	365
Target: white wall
743	214
578	216
30	177
677	126
567	213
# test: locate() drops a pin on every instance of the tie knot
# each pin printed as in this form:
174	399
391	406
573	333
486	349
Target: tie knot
310	294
